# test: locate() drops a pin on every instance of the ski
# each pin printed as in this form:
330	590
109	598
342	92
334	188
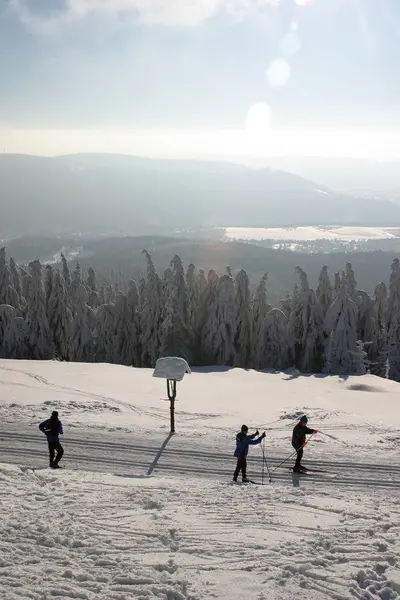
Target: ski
248	481
322	474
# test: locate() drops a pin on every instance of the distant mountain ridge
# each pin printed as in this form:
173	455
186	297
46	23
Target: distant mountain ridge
122	194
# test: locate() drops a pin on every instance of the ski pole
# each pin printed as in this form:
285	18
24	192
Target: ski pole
262	472
266	464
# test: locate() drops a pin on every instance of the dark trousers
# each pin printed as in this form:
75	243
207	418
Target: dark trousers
300	453
241	466
53	448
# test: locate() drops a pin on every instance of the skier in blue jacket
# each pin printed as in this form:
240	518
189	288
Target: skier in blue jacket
243	441
52	428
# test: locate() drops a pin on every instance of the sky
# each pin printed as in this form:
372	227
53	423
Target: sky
201	77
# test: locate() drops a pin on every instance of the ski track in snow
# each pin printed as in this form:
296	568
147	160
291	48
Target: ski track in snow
105	529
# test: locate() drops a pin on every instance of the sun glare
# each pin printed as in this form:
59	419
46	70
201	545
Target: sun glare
258	120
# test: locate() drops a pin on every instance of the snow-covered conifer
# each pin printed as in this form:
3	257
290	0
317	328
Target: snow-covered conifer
65	271
305	327
338	283
243	340
393	320
26	280
15	339
341	320
127	323
151	310
40	338
7	314
104	333
93	293
367	329
261	308
324	290
273	344
48	283
16	279
81	338
8	294
350	281
219	329
60	317
176	338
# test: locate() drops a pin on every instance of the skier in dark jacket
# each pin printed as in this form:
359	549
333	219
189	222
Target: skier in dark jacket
52	428
299	441
243	441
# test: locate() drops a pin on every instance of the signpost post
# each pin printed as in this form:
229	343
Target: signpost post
173	369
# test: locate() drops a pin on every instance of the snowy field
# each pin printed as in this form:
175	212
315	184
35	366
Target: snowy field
304	234
137	513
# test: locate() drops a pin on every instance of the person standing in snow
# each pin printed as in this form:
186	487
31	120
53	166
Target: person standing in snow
243	441
299	441
52	428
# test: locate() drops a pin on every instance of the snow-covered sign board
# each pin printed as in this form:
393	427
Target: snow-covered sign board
172	368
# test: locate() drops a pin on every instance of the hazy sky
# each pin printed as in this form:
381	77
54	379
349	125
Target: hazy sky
98	74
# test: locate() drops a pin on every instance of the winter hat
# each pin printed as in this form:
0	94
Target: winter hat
304	419
244	428
54	414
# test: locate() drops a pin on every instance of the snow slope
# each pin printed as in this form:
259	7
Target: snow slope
140	514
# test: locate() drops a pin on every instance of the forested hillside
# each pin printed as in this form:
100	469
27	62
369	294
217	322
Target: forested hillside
208	318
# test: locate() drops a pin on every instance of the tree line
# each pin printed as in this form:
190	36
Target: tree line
208	319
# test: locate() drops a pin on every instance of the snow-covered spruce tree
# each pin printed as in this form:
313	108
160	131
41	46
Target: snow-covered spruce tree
91	286
341	322
305	328
380	305
81	338
330	350
7	314
176	339
243	341
273	344
48	283
286	305
60	317
15	339
260	310
16	280
65	271
26	280
350	282
367	329
102	294
338	283
150	327
76	282
380	309
193	296
206	306
104	333
219	330
8	294
393	321
4	278
127	322
40	339
360	359
324	290
110	295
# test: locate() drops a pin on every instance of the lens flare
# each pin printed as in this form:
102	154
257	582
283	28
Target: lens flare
278	73
258	120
